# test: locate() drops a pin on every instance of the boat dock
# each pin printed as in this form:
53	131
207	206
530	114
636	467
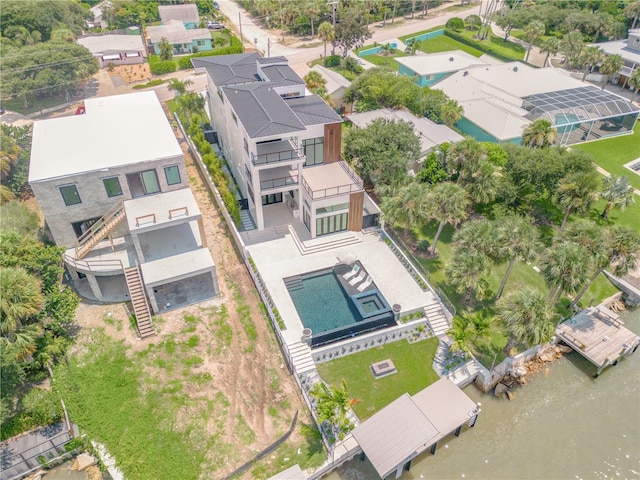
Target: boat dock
598	335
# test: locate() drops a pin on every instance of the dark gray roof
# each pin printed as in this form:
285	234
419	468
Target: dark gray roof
281	74
229	69
262	110
268	60
312	110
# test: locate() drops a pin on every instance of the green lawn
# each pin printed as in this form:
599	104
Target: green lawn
385	60
417	34
496	44
447	44
612	153
35	104
412	361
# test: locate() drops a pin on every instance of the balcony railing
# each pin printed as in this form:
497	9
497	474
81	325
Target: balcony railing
279	182
626	71
280	156
354	186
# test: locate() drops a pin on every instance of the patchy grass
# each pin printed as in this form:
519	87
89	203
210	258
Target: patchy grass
36	104
219	326
612	153
152	83
244	313
413	362
243	431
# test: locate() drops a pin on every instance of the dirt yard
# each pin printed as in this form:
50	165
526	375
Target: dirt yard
244	360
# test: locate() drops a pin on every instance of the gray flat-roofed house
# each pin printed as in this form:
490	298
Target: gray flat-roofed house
275	136
115	49
408	426
187	14
114	191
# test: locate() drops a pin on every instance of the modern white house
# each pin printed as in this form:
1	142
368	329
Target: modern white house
430	134
629	50
114	191
281	145
500	101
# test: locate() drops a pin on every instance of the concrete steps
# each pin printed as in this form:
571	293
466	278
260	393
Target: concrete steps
139	302
307	248
301	358
437	319
294	283
247	221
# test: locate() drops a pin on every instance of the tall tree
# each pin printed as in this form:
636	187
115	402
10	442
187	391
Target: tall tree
550	46
634	82
467	271
632	10
451	112
576	193
20	299
461	154
482	181
332	407
565	267
590	56
532	32
166	50
611	65
44	15
327	34
477	236
314	80
571	45
350	33
517	239
460	333
179	86
407	206
527	317
446	203
539	134
617	192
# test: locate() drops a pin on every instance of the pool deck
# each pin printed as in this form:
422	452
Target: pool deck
280	258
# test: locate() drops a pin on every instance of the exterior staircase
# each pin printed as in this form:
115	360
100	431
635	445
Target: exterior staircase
100	229
139	302
301	358
437	319
247	221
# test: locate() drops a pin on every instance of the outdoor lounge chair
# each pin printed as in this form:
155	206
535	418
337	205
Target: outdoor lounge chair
365	284
358	278
352	272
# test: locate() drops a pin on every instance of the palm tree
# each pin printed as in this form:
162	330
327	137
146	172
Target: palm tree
20	298
576	193
451	112
571	45
180	87
539	134
483	182
332	407
590	57
327	33
527	317
617	192
634	81
632	10
49	348
617	249
611	65
413	46
460	334
550	46
166	50
466	271
565	267
462	153
314	80
446	203
22	344
407	205
8	154
477	236
532	32
517	239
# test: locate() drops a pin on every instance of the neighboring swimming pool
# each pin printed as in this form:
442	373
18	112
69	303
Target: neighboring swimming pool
333	309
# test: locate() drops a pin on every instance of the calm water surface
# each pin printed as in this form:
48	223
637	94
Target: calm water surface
563	424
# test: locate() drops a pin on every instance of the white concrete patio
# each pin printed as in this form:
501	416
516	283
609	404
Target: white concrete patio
280	258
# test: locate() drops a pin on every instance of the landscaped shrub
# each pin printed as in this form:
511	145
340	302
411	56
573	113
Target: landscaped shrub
152	83
484	46
160	67
455	23
332	61
351	64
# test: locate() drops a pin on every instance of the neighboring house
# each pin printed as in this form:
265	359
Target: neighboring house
431	134
98	14
182	40
114	191
629	50
500	101
429	69
282	146
335	86
115	49
187	14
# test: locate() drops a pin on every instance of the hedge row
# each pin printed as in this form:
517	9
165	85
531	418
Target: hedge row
482	46
235	47
160	67
214	166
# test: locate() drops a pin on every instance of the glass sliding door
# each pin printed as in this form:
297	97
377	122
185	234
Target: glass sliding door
331	224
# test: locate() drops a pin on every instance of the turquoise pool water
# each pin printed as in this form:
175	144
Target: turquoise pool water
321	302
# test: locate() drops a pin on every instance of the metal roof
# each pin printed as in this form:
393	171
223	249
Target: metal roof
229	69
444	62
187	13
312	110
409	425
262	110
563	107
175	32
101	44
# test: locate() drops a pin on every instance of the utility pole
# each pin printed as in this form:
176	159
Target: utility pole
334	4
240	26
268	47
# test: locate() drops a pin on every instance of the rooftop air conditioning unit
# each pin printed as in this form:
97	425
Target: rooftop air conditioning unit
515	69
451	59
466	72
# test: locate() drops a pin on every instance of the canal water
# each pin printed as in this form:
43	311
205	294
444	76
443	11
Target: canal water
563	424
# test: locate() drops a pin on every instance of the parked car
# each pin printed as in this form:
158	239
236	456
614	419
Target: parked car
216	6
215	25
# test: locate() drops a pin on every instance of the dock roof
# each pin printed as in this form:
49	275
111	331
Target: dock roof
409	425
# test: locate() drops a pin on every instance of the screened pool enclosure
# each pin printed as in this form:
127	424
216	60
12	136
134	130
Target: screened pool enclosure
582	114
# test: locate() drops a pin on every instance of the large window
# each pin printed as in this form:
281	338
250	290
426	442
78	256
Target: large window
70	195
112	186
314	150
272	198
143	183
332	208
331	224
173	174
